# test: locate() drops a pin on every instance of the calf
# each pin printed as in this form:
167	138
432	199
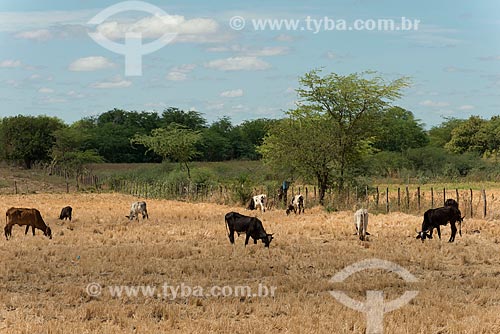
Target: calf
434	218
66	213
256	201
251	226
297	203
361	223
25	217
135	209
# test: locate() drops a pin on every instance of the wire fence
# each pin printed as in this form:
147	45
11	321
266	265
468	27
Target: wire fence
478	203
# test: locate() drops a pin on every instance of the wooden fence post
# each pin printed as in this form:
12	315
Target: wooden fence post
367	198
444	196
399	199
484	203
471	215
418	199
387	199
432	198
407	199
456	193
376	199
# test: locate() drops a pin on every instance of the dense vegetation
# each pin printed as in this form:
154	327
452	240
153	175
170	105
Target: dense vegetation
345	130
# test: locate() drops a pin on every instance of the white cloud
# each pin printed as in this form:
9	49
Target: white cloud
179	73
45	90
90	64
9	63
433	36
52	100
232	93
238	64
36	20
466	107
453	69
37	35
284	38
490	58
267	51
214	106
434	104
75	95
152	27
116	82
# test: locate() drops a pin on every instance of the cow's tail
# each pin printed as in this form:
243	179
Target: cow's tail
226	224
460	227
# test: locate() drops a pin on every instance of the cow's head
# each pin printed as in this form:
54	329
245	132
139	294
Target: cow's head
48	232
423	235
267	239
130	217
289	209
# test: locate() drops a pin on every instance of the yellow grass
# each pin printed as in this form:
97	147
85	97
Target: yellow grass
43	282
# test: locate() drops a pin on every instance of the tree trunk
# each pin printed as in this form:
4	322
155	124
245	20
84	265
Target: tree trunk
188	170
322	187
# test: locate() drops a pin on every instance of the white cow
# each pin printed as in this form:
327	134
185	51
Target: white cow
296	203
135	209
258	200
361	223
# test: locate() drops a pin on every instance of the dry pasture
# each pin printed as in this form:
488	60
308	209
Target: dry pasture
43	282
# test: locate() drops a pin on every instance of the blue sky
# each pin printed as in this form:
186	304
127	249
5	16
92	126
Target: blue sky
49	64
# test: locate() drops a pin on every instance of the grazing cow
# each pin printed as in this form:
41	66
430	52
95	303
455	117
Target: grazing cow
361	222
256	201
66	213
296	203
25	217
135	209
451	202
251	226
434	218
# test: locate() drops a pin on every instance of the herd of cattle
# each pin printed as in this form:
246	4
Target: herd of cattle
250	226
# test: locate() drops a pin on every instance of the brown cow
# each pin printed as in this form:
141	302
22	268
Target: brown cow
25	217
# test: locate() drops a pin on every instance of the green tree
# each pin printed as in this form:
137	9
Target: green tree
28	138
175	142
302	145
469	136
216	143
67	152
440	135
398	130
189	119
345	109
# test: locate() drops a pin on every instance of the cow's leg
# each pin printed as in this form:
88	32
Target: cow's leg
254	241
33	229
231	236
439	232
246	239
27	229
453	232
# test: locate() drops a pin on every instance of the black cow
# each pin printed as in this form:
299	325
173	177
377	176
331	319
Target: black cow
451	202
434	218
251	226
66	213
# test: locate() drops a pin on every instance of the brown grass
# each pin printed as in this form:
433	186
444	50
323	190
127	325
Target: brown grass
43	281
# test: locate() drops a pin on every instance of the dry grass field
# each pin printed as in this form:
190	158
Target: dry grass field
43	282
